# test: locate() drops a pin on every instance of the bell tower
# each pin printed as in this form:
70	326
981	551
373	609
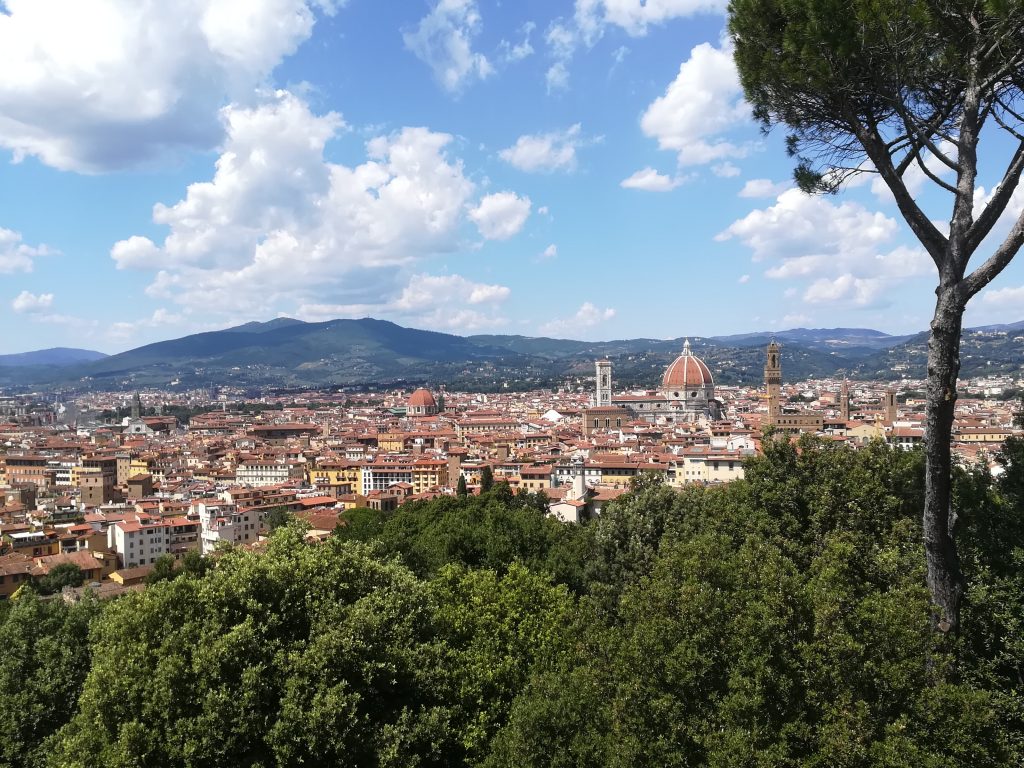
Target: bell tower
844	401
890	406
773	381
603	396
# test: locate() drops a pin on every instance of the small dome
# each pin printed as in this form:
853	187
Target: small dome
686	371
421	398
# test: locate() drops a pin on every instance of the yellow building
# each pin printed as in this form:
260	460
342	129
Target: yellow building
336	474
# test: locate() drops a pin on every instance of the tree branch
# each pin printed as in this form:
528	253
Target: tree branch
1000	199
995	264
933	241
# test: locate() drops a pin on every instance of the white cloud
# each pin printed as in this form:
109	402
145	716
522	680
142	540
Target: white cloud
725	170
279	227
592	17
16	255
743	279
557	77
442	302
550	252
501	215
651	180
703	102
426	291
860	292
635	16
587	316
513	52
31	303
844	251
1010	298
95	85
799	224
555	151
443	41
763	188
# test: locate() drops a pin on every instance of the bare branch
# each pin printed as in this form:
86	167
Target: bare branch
1000	199
995	264
933	241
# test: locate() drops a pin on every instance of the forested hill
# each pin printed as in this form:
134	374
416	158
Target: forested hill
287	352
781	620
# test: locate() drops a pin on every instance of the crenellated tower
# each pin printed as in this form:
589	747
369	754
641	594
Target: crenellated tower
773	381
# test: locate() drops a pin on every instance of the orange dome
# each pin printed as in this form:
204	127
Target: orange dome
421	398
687	371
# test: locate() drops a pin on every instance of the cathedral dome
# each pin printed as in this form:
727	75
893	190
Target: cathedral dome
686	371
421	398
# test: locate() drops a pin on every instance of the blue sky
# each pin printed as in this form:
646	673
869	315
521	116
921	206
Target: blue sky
584	170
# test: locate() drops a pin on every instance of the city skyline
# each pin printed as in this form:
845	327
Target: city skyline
584	170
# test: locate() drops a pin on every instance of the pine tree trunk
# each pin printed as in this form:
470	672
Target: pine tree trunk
945	579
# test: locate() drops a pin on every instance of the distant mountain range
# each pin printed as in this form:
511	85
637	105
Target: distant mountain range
292	353
57	356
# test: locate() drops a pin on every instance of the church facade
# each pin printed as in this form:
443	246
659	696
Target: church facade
686	394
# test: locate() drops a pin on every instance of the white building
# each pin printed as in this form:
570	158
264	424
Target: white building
138	543
223	522
260	473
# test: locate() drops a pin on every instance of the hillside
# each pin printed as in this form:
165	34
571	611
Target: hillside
55	356
291	353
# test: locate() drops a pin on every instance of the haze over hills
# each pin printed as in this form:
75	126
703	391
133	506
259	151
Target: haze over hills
292	353
55	356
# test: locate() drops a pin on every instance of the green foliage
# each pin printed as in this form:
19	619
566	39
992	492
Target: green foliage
60	576
163	570
460	488
44	662
486	479
277	517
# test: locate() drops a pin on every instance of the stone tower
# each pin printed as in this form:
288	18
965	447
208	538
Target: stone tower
844	401
773	381
136	407
890	406
604	383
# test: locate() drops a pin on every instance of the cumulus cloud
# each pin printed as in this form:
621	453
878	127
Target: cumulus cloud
636	16
96	85
592	17
725	170
743	279
763	188
651	180
442	302
550	252
444	41
555	151
1010	298
279	227
858	291
704	102
587	317
843	252
501	215
16	255
30	303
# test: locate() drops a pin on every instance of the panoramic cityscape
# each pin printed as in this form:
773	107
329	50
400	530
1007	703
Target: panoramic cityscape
464	382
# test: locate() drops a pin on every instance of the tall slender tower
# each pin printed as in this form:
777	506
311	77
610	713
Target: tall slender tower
136	407
773	382
844	401
604	383
890	406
